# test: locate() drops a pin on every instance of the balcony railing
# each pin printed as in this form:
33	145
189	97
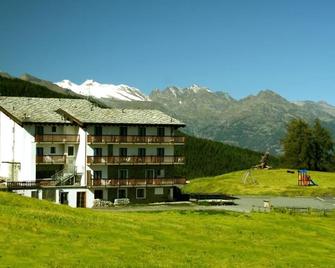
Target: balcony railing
137	182
57	138
51	159
17	185
135	160
135	139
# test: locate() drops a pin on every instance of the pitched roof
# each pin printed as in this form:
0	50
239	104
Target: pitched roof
53	110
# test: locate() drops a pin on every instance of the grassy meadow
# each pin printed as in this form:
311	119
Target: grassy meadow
35	233
269	182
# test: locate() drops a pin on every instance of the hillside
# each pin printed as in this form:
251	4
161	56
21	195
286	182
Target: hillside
19	87
255	122
210	158
35	233
274	182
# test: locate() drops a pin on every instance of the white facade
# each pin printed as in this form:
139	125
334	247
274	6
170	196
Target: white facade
24	158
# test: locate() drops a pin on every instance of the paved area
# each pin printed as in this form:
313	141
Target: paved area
243	204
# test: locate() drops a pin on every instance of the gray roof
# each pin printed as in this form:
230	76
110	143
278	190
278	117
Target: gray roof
53	110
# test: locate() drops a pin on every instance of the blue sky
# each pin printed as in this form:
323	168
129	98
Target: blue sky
237	46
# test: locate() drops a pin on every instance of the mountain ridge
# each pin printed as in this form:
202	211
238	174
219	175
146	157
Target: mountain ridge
257	122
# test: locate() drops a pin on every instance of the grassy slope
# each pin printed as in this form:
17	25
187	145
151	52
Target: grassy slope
270	182
37	233
210	158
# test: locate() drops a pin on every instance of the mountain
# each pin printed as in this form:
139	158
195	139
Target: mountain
32	79
104	91
18	87
255	122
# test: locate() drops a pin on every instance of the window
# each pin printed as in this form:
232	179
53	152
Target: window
34	194
70	150
140	193
39	151
142	131
149	174
160	173
98	130
141	152
52	150
110	149
98	194
63	198
123	152
121	193
39	130
160	131
53	129
123	131
160	152
97	151
123	173
97	174
159	191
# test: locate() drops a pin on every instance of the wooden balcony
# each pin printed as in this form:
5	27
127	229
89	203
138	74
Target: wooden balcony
136	182
20	185
51	159
134	160
57	138
136	139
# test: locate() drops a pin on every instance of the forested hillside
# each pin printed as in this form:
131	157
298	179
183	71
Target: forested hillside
18	87
210	158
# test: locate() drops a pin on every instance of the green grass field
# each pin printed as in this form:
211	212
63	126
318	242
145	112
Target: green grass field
36	233
270	182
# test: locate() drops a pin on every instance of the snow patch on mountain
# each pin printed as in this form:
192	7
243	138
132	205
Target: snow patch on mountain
98	90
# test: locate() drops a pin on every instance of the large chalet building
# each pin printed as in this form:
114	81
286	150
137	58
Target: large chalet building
71	151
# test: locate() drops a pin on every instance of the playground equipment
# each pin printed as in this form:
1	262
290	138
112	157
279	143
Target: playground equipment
264	162
248	178
304	179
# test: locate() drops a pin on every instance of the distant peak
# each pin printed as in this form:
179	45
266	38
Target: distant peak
89	82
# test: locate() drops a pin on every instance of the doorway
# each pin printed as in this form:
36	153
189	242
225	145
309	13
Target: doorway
81	199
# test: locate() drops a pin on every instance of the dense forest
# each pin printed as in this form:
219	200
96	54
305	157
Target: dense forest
17	87
210	158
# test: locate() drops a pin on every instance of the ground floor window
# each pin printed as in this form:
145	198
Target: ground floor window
140	193
159	191
98	194
34	194
63	198
121	193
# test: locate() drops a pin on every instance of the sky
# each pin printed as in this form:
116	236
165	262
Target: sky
237	46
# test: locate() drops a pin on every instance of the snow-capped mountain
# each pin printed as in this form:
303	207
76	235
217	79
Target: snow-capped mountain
97	90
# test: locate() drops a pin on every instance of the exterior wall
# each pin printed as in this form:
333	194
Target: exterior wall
17	146
151	149
132	130
138	172
81	157
150	195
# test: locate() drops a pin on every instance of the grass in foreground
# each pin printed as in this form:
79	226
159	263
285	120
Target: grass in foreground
40	234
270	182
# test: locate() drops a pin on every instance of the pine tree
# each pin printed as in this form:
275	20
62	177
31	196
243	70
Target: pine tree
308	147
322	147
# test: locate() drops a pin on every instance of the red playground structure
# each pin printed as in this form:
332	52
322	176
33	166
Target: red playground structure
304	179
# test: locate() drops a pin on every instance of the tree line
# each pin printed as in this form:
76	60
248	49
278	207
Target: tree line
308	146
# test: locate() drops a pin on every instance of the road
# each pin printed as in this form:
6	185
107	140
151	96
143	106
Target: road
243	204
